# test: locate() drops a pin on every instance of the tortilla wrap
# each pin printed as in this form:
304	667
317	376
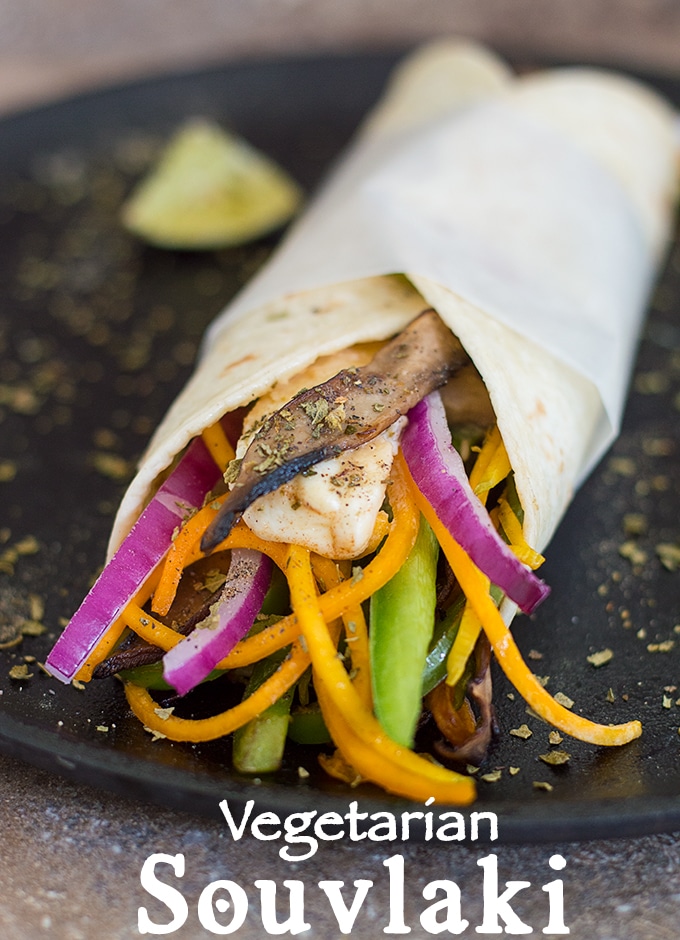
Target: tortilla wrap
530	212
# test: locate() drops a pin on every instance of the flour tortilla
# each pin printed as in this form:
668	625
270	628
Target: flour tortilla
556	413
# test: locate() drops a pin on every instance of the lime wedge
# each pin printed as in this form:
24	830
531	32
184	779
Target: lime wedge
210	189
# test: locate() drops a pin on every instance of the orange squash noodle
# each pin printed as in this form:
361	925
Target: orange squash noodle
371	764
491	466
385	762
464	644
207	729
104	648
513	530
183	552
218	445
356	636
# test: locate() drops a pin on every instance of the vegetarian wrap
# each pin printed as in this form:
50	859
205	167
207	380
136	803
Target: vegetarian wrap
386	426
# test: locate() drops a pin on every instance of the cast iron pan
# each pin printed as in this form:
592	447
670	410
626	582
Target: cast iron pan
98	334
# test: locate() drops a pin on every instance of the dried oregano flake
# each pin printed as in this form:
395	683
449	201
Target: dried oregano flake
20	672
600	658
524	732
555	758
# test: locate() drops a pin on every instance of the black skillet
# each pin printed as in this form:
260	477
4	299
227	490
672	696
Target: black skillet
97	335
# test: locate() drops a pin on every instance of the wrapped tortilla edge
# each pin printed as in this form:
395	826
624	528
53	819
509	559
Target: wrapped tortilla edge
546	411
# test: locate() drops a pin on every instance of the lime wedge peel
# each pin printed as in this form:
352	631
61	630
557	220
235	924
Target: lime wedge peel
210	189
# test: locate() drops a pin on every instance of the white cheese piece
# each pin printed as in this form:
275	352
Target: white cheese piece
332	511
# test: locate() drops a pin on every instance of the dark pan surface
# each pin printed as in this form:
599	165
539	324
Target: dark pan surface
97	335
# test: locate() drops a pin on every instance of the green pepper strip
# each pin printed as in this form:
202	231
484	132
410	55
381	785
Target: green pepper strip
445	633
259	744
307	726
402	622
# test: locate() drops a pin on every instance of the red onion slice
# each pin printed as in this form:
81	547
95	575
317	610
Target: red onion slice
148	540
438	471
231	617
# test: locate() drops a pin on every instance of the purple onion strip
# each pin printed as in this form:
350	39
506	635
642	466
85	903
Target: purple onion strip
438	471
148	540
230	618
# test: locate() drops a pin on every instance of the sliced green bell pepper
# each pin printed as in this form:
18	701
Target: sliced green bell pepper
402	616
258	745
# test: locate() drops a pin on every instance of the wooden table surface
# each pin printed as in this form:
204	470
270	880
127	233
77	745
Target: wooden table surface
53	47
71	856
